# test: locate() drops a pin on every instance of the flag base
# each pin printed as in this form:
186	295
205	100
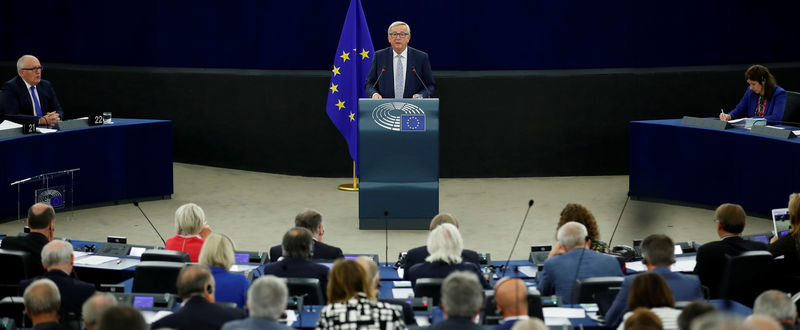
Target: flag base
348	187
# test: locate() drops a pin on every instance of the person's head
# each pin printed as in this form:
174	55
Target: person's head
399	36
346	279
29	69
42	301
572	235
511	295
730	219
189	219
532	323
196	280
371	268
57	255
94	307
443	218
42	219
650	290
122	317
658	250
761	81
217	251
794	213
462	295
445	244
776	304
643	319
762	322
692	311
719	321
297	243
266	298
579	213
312	220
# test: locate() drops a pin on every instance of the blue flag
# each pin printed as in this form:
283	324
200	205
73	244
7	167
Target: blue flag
350	69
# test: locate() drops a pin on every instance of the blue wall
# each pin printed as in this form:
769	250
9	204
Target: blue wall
459	35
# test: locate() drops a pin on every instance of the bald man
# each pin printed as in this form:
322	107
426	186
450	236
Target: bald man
27	98
511	295
41	221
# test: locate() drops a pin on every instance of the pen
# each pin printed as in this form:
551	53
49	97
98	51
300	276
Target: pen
119	261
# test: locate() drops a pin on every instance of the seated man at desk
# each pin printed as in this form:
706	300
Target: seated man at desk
297	247
41	221
28	98
312	220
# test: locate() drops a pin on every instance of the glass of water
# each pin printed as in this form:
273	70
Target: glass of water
107	118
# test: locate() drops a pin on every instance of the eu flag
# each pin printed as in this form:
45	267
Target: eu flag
350	69
412	123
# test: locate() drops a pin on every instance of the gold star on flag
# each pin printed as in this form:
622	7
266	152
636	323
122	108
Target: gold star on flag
340	105
345	56
336	70
334	88
352	116
364	53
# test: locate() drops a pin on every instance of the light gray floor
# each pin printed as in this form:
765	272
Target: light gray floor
255	209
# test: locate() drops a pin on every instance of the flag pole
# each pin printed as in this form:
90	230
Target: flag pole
354	185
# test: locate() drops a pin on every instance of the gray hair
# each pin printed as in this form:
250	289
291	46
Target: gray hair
217	250
41	297
266	298
408	27
95	306
719	321
572	234
445	244
776	304
189	219
21	61
56	253
659	250
532	323
758	321
462	294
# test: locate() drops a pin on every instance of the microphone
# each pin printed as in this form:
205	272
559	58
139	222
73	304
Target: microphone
151	223
578	268
505	268
383	69
618	220
386	230
414	68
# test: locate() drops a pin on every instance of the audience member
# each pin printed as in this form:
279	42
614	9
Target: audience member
511	295
692	311
122	317
417	255
190	223
42	223
779	306
217	254
580	214
762	322
530	324
196	287
643	319
659	255
94	308
42	302
58	260
352	301
374	275
297	245
462	299
789	246
445	245
711	257
651	291
312	220
266	301
561	271
719	321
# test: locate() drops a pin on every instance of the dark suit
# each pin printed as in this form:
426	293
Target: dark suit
440	269
321	251
29	242
455	323
560	272
198	313
74	292
417	256
711	259
684	288
16	104
384	58
295	267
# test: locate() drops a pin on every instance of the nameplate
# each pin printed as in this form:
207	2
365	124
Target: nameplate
29	127
775	132
705	122
73	124
96	120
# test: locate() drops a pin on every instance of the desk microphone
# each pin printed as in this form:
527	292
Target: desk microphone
383	69
414	68
505	268
151	223
386	230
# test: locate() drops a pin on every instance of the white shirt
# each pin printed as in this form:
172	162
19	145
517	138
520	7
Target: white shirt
37	97
404	59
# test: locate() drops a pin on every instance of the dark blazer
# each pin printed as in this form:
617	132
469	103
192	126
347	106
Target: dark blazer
321	251
560	272
454	323
31	243
16	104
711	259
417	256
440	269
74	292
295	267
198	313
416	59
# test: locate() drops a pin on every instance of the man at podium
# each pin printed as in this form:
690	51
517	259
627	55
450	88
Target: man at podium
400	71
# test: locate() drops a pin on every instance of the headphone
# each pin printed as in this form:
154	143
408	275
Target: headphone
209	289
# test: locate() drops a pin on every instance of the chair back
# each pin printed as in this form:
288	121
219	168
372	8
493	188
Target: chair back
156	277
585	289
746	276
308	288
429	287
791	113
165	255
16	267
14	308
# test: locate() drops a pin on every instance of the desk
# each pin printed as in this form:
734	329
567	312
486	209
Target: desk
131	158
707	166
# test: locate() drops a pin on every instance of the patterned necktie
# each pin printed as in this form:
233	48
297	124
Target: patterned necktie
399	78
36	102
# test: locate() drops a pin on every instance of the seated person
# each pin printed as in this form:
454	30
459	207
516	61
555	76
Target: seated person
762	99
417	255
789	246
561	271
352	302
217	254
580	214
694	310
311	220
94	308
190	223
445	246
643	319
511	295
296	247
374	277
266	301
27	98
649	290
462	299
122	317
42	302
42	223
777	305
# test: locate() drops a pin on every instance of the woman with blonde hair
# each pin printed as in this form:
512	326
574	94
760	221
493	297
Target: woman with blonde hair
217	254
789	245
192	230
445	245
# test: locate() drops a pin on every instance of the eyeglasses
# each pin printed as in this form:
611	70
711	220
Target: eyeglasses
398	35
36	68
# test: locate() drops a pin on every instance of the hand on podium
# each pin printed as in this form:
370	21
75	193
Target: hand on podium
376	96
